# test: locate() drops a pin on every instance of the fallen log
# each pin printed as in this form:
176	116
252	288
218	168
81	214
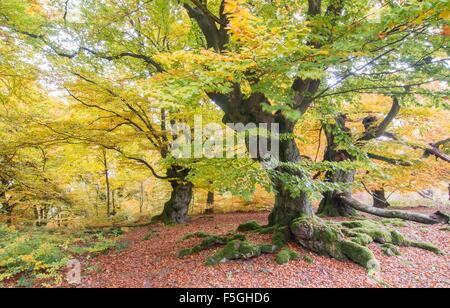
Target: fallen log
434	219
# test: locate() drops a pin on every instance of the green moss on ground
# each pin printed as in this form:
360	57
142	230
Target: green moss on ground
281	237
390	250
268	248
249	226
308	260
200	234
235	250
394	223
208	242
267	230
287	255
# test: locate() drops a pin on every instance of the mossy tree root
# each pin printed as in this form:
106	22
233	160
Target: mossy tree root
349	240
208	242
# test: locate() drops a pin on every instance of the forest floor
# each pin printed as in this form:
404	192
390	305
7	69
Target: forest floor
149	260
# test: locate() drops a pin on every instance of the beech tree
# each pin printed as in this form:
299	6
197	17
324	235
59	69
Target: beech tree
259	62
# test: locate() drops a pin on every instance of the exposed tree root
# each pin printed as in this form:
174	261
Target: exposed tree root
286	255
342	241
209	241
437	218
349	240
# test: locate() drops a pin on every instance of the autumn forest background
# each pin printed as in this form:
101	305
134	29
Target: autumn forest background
91	194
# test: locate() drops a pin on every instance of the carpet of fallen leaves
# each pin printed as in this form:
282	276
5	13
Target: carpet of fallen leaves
150	261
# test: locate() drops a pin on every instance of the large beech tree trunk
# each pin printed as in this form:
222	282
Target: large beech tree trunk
237	109
288	206
177	208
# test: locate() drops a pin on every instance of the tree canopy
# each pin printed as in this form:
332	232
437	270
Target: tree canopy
91	91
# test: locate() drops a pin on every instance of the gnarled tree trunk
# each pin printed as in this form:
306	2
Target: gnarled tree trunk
379	199
177	208
288	206
331	205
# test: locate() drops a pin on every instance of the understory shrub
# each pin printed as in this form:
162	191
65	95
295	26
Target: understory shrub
39	254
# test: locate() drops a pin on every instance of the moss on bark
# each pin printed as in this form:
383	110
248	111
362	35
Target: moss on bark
390	250
209	241
249	226
349	240
235	250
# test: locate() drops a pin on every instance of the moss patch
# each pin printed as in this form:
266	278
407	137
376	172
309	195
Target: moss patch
235	250
200	234
390	250
426	246
308	259
267	248
208	242
281	237
399	223
359	254
319	236
249	226
286	255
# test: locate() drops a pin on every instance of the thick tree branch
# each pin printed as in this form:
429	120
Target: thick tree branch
377	132
410	216
389	160
433	150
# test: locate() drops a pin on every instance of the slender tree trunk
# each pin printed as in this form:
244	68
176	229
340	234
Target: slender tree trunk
177	208
113	213
210	203
379	199
108	186
97	195
141	198
210	198
9	214
7	208
40	215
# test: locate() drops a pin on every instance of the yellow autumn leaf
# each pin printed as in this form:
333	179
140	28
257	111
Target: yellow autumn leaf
445	15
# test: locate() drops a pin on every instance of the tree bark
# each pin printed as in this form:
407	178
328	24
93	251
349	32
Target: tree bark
420	218
141	198
113	213
8	209
331	205
237	109
108	186
177	208
287	207
97	195
210	203
379	199
210	198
